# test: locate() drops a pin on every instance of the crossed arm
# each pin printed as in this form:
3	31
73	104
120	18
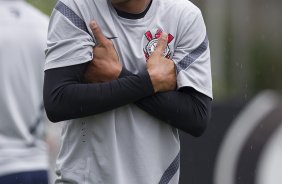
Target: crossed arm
67	96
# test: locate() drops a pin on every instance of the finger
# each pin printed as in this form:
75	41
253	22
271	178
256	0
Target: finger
100	38
161	44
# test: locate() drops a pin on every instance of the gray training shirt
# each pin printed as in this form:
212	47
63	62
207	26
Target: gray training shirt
126	145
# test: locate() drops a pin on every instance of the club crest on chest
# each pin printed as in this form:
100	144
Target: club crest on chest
152	43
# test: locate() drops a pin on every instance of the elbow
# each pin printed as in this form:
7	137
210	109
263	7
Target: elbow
52	117
200	127
194	127
202	118
201	124
52	113
57	109
52	109
53	105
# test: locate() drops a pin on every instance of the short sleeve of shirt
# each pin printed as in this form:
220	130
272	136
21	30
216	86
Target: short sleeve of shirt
69	41
192	53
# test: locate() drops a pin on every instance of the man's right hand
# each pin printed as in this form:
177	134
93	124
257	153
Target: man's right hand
161	70
105	65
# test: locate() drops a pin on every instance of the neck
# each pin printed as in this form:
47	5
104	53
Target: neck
132	6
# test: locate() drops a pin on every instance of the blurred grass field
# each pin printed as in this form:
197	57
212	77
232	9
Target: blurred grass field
45	6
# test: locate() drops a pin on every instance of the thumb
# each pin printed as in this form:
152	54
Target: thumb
97	33
161	44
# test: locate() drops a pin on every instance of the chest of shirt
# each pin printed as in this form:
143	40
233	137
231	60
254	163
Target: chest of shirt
135	44
135	40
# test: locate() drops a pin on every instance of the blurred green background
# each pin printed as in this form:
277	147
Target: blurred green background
45	6
245	40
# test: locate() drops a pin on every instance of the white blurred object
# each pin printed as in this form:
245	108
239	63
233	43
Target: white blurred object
238	134
270	165
23	31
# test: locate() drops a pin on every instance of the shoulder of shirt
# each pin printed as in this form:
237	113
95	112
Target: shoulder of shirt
83	7
184	6
81	4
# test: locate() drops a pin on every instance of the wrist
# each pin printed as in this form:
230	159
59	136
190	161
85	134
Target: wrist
119	69
144	74
153	77
124	72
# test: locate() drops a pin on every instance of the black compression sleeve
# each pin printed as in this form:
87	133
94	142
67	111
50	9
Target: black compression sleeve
185	109
67	97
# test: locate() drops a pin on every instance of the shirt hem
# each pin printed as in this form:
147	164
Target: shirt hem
68	62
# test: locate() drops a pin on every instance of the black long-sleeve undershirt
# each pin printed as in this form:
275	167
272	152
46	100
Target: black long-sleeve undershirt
67	97
185	109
